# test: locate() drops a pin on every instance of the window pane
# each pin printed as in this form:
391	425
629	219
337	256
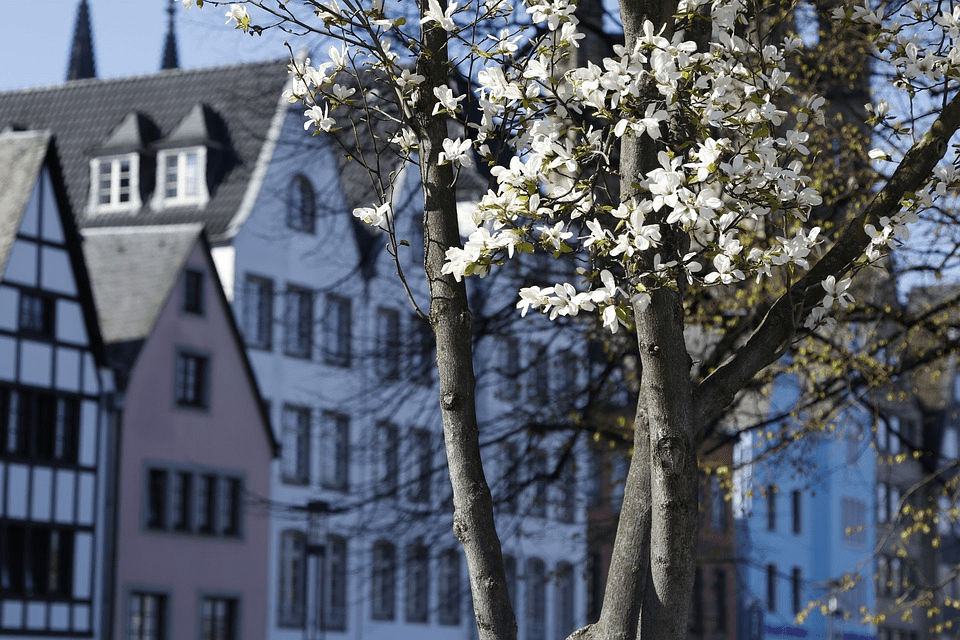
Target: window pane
157	499
207	504
337	331
536	597
218	619
191	380
298	339
104	182
538	473
66	430
301	211
170	176
123	193
449	580
191	177
232	506
422	360
37	314
258	312
565	605
296	444
388	343
292	596
387	459
383	581
336	451
182	501
418	583
147	616
193	291
335	597
421	457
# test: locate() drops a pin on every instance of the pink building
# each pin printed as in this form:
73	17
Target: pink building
194	443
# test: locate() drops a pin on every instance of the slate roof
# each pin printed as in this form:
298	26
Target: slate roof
239	101
133	271
21	156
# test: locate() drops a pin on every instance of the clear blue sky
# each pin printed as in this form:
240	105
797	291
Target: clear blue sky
128	37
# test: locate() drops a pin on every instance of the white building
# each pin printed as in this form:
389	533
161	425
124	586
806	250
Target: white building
343	361
53	458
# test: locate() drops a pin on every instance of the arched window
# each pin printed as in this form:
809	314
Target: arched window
536	599
291	599
417	583
302	207
565	600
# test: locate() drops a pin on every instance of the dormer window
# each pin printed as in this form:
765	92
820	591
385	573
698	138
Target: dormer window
115	183
182	177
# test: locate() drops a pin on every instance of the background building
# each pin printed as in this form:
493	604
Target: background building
53	421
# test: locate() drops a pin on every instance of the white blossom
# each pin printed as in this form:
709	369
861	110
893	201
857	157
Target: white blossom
456	152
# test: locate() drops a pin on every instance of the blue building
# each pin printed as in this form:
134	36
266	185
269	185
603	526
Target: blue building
804	513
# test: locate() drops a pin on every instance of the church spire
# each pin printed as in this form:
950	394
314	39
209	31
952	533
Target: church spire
170	47
81	53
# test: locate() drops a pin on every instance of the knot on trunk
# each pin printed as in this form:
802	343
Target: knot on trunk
448	400
671	453
460	528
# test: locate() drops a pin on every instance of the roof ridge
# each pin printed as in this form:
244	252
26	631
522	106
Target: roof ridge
72	84
142	229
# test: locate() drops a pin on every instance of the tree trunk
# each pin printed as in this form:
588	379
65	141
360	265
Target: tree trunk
452	321
659	513
667	395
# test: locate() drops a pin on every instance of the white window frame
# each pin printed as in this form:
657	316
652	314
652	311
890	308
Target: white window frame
199	197
114	205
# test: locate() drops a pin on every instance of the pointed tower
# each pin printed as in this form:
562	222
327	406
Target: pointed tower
81	53
170	47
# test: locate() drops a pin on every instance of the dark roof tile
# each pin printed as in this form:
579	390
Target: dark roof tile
84	113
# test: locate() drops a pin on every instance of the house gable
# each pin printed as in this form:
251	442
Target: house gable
51	393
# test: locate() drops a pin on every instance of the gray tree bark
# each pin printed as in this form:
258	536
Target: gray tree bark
452	323
651	574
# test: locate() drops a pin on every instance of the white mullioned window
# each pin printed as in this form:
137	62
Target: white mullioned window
181	177
115	183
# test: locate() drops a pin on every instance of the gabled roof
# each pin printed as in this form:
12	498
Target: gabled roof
240	101
21	156
133	271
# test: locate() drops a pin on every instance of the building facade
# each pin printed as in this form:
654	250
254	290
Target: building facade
804	518
53	412
359	506
193	442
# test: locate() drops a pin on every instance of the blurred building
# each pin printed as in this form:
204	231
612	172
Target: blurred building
54	410
193	442
358	510
805	535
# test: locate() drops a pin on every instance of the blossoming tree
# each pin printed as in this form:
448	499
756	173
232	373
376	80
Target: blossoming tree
679	164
